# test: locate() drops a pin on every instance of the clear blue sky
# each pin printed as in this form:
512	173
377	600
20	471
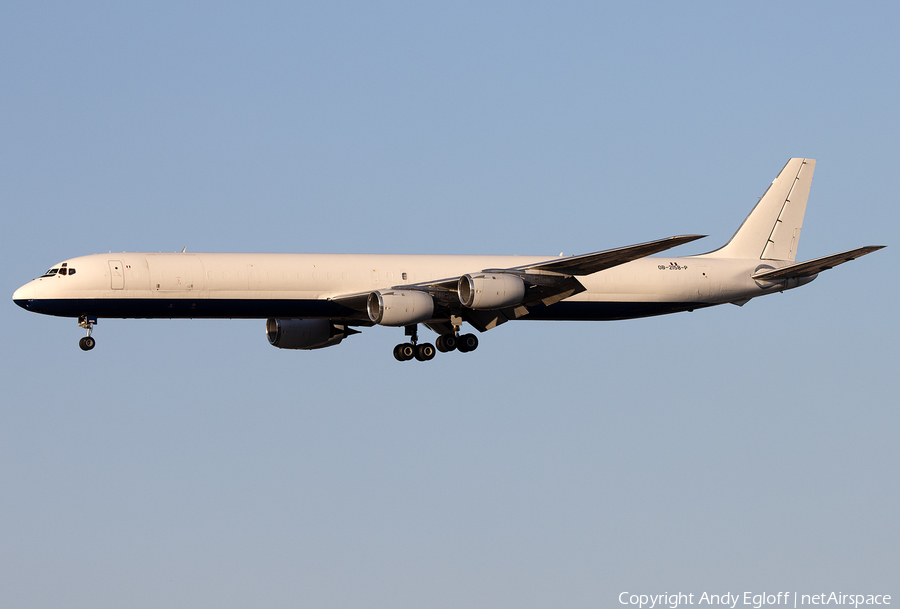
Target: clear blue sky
190	464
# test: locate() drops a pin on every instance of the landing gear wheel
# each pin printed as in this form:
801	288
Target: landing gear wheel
404	352
446	343
467	342
87	322
425	352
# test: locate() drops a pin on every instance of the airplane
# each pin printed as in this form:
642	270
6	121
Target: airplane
313	301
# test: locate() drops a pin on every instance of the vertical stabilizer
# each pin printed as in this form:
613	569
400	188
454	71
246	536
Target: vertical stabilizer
772	230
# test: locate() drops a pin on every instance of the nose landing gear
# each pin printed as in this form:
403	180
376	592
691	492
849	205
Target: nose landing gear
87	322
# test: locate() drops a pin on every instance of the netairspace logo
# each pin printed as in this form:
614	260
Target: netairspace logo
755	600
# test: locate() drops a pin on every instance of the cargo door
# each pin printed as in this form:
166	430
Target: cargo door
175	272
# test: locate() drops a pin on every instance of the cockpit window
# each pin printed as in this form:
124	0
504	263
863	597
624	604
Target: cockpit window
61	270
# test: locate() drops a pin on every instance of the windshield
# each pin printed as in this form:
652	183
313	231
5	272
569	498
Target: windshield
59	270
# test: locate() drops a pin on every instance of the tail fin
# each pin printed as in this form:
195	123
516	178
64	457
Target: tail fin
772	230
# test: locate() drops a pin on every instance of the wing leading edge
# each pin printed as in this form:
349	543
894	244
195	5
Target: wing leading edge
588	264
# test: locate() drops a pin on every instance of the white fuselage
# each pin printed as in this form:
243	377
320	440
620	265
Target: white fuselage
234	285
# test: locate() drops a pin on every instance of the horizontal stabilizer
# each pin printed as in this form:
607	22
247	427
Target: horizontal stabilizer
812	267
587	264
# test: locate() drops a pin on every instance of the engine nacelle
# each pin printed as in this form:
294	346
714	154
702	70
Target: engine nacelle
491	290
305	333
399	307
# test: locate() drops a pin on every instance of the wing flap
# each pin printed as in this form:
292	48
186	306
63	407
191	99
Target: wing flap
812	267
551	294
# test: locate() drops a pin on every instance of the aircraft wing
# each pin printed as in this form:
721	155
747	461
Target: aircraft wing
587	264
357	301
555	280
812	267
548	282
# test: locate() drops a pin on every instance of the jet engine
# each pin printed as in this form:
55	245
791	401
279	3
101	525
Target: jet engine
399	307
305	333
491	290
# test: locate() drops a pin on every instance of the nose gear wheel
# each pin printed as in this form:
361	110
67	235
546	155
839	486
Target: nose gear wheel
87	322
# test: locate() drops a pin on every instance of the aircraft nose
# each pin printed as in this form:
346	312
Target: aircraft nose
24	296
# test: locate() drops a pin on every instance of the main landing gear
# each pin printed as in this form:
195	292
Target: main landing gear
407	351
87	322
426	351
